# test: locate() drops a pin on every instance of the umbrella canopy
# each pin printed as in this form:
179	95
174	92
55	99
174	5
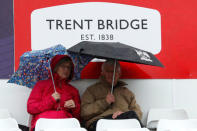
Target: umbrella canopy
115	50
35	65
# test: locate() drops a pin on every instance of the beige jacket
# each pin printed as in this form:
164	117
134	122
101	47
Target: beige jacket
94	105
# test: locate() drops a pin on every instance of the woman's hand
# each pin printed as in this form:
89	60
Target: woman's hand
56	96
69	104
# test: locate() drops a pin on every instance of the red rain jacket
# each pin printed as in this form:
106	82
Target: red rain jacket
41	104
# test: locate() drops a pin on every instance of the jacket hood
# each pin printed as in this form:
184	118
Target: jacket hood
55	60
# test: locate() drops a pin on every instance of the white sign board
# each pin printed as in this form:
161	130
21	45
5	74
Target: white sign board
96	21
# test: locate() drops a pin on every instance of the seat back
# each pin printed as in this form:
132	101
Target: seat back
4	113
128	129
44	123
155	115
104	124
66	129
8	123
165	124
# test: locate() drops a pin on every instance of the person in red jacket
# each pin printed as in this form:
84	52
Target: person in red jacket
45	102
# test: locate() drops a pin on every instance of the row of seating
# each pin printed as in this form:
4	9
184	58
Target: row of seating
102	125
162	119
72	124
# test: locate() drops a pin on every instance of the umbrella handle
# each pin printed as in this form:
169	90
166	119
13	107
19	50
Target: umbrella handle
51	74
112	88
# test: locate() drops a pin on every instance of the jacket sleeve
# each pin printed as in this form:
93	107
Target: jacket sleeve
36	103
91	107
76	111
134	106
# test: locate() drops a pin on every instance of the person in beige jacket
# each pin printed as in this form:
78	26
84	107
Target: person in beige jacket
97	102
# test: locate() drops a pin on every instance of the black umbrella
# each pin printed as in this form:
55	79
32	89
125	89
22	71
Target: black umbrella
115	51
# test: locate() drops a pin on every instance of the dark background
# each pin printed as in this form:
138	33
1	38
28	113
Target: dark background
6	39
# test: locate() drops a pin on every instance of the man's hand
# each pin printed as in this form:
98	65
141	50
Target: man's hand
116	114
110	98
56	96
69	104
